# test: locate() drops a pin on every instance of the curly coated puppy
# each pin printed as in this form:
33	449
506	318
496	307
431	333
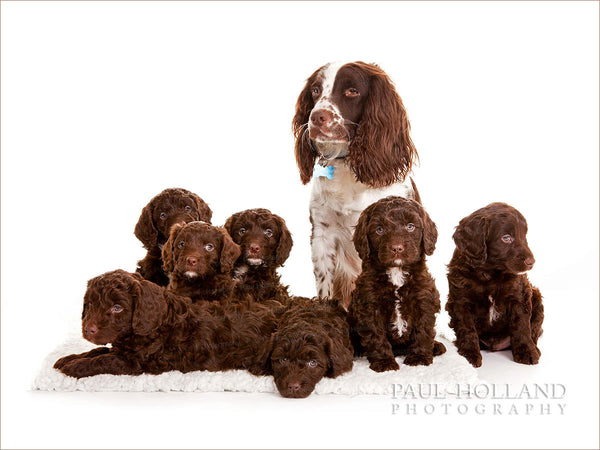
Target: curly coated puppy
152	330
266	243
491	302
198	258
394	304
171	206
311	342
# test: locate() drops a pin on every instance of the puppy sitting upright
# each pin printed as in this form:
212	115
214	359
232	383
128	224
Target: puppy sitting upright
491	302
199	258
266	243
171	206
394	303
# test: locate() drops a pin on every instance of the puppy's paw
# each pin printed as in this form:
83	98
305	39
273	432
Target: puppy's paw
526	354
383	365
64	361
76	368
471	355
414	359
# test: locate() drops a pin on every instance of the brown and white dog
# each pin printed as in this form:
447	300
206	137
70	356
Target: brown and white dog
350	121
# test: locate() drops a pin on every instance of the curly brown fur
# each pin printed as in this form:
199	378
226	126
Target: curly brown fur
491	302
199	258
171	206
265	243
394	304
153	330
311	342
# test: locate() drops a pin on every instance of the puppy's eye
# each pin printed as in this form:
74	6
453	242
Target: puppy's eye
379	230
507	239
116	309
163	215
410	227
188	208
181	244
242	231
209	247
269	232
351	92
283	361
312	363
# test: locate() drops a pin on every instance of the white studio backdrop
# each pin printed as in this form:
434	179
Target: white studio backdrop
104	104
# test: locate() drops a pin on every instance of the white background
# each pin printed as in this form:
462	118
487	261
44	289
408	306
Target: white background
104	104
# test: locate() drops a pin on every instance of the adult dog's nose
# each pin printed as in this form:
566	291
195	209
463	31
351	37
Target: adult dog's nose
321	117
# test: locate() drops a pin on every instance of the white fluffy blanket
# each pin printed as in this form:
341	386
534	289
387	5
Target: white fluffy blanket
446	371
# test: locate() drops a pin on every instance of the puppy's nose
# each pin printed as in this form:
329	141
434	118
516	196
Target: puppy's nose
397	249
529	262
294	386
90	330
254	248
191	261
321	117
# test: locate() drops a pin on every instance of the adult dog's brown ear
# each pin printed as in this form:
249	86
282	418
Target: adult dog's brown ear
150	308
470	238
305	155
145	230
230	252
360	238
169	248
282	252
205	213
430	233
381	152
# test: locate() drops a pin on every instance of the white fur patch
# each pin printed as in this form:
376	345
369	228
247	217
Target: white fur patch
239	272
400	325
396	276
191	274
254	261
494	313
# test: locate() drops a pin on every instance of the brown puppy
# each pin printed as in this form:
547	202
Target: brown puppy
265	243
153	330
312	341
198	258
491	302
395	301
171	206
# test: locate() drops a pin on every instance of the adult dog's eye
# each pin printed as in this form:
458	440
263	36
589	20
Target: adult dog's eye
116	309
188	208
507	239
242	231
351	92
209	247
269	232
379	230
410	227
315	91
163	215
312	363
181	244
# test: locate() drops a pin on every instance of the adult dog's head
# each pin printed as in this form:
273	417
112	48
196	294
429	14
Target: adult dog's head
263	236
393	232
197	249
353	111
494	237
118	304
171	206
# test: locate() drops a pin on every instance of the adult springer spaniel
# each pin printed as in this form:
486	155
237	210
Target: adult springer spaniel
352	138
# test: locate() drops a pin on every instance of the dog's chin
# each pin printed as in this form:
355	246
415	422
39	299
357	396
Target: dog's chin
99	340
191	274
331	148
254	261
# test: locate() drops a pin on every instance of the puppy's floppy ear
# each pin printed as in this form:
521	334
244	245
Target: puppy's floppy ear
340	355
305	156
470	238
150	308
205	213
230	252
285	241
360	238
430	233
230	222
169	248
381	152
145	230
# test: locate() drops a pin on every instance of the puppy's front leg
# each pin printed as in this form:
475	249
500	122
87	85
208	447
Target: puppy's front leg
523	348
461	321
423	334
59	364
108	363
372	331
